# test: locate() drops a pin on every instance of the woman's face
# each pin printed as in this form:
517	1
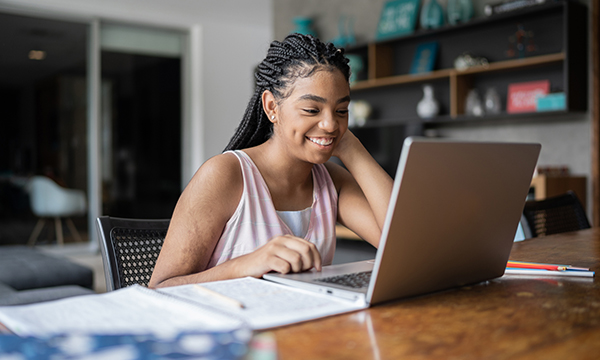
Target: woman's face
313	119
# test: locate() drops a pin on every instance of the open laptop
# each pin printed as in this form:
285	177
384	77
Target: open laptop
451	221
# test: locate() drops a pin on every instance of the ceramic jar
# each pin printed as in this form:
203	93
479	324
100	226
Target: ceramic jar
428	106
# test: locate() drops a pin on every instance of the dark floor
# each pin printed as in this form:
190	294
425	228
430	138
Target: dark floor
16	231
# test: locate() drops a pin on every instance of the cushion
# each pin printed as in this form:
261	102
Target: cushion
6	290
38	295
25	268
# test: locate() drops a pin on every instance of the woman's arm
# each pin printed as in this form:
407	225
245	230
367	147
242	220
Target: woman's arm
202	211
364	189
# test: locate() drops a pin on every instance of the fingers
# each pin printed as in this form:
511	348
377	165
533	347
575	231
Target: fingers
292	254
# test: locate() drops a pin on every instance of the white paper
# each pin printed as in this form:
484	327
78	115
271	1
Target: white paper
131	310
267	304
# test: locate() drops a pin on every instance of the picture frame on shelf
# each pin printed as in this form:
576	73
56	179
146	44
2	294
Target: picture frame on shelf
398	18
425	57
522	97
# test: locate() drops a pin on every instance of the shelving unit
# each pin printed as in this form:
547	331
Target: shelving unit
459	79
559	36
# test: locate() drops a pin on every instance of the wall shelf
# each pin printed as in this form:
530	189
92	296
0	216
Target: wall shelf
559	31
449	73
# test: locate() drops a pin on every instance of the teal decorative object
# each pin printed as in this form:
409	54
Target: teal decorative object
398	18
459	11
356	66
432	15
424	59
304	26
346	37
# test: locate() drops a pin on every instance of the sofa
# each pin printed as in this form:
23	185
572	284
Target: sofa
28	275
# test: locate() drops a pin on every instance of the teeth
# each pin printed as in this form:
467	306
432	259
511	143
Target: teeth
322	141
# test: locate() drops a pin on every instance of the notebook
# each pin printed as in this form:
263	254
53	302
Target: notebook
451	221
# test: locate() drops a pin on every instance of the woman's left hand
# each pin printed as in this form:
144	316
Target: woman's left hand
346	144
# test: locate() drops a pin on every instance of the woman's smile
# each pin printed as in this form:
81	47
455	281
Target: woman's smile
322	141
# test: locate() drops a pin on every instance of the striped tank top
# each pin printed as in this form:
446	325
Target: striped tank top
255	220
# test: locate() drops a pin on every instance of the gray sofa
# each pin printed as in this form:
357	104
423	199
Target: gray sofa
28	275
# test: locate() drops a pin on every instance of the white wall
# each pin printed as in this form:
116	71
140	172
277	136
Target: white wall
233	39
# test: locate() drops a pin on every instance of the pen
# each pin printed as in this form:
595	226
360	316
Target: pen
522	265
219	296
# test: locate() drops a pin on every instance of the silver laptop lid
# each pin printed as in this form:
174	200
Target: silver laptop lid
452	217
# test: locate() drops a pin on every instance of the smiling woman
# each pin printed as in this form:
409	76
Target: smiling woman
271	201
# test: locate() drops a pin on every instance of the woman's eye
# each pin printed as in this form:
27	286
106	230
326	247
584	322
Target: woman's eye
343	111
311	111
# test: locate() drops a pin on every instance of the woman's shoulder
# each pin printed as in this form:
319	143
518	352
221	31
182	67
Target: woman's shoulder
221	171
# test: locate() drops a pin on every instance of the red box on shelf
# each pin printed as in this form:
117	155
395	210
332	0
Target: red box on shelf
522	96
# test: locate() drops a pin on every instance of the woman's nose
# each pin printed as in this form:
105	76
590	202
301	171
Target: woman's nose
329	122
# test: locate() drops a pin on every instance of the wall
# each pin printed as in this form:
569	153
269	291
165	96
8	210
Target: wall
565	140
231	44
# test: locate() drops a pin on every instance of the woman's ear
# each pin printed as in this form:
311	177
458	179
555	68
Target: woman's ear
269	105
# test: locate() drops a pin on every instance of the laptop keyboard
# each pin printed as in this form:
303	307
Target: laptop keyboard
354	280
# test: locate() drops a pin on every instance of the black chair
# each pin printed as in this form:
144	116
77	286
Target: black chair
130	248
555	215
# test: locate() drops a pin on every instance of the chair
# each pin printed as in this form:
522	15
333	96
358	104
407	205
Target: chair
130	248
555	215
50	200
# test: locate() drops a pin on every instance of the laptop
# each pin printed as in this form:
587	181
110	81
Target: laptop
451	221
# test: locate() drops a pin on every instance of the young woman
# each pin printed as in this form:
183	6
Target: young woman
271	201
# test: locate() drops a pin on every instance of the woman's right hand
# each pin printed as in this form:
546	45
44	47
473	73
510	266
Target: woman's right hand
283	254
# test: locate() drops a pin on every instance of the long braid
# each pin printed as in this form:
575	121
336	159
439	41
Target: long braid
297	56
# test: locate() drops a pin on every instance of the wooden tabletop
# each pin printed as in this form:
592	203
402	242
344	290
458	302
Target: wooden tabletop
513	317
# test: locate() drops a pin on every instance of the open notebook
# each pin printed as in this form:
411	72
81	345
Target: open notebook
451	221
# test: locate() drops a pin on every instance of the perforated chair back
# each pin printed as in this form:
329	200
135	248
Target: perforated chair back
130	248
555	215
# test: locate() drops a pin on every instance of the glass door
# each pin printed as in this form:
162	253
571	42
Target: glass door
125	157
43	123
141	121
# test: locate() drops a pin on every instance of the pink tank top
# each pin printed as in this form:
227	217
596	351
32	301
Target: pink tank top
255	220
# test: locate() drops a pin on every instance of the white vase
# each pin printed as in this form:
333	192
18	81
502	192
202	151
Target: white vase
428	107
474	107
492	101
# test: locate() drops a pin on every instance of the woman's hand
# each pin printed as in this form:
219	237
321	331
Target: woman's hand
282	254
347	143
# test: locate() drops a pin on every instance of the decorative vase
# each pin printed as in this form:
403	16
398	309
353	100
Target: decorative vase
432	15
428	106
492	101
474	107
359	113
304	26
356	65
459	11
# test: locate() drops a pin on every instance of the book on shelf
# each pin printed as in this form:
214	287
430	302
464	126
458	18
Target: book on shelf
522	97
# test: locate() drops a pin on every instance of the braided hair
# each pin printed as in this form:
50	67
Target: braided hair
298	56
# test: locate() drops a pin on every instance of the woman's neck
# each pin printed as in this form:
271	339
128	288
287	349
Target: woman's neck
289	179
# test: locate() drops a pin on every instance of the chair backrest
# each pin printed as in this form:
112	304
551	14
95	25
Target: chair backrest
555	215
47	198
130	248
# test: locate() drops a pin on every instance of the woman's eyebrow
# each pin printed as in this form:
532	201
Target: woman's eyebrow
322	100
344	99
312	97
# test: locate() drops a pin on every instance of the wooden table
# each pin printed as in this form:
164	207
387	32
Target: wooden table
512	317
